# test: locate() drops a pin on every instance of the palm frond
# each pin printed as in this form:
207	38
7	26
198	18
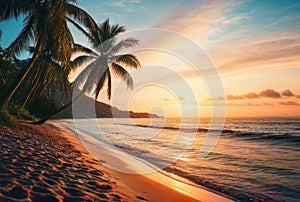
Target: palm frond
30	49
85	50
79	27
124	44
83	76
60	39
123	74
95	39
79	61
26	36
103	29
129	60
81	16
116	29
13	8
108	31
97	74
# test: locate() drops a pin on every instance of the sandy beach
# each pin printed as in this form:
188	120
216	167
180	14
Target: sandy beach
44	163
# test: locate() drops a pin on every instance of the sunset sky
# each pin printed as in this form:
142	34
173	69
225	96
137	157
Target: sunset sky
254	45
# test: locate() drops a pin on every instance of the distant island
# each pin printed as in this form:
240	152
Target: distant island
104	110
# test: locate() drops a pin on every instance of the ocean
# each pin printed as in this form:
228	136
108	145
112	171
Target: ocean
255	159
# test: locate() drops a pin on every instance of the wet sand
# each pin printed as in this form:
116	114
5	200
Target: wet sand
45	163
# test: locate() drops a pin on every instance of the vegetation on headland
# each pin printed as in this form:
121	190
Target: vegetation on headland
39	88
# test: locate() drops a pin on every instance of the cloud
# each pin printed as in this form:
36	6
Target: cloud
212	24
116	3
122	3
236	18
234	97
251	96
196	19
287	93
252	99
216	98
277	50
292	103
270	93
248	47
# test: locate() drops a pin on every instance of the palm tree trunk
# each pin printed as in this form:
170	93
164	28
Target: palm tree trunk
59	110
30	94
4	107
32	91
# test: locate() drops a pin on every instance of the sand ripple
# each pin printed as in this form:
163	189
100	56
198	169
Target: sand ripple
38	165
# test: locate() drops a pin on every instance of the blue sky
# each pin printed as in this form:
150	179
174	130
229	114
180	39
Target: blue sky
131	13
259	16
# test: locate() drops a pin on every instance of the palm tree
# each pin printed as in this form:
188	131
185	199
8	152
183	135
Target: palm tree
103	61
48	74
45	25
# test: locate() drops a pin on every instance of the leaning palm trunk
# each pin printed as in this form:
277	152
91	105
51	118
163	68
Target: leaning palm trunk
29	95
4	107
36	81
69	104
59	110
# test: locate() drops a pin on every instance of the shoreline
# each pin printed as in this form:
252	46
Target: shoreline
157	180
119	186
